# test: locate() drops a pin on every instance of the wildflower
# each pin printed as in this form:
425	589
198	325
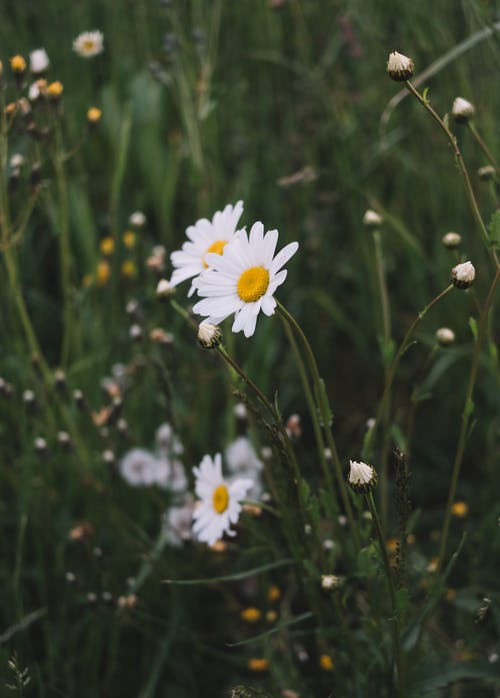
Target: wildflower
445	336
205	237
271	616
459	509
170	475
242	461
137	219
93	115
168	444
177	522
432	566
37	89
391	545
462	110
39	61
17	64
240	410
372	219
89	44
292	426
326	662
251	614
258	664
243	280
63	439
107	246
156	261
399	67
451	240
209	336
219	506
81	531
329	581
362	477
108	456
164	289
463	275
16	161
139	467
159	336
103	273
273	593
135	332
129	239
55	90
127	601
40	445
486	173
129	270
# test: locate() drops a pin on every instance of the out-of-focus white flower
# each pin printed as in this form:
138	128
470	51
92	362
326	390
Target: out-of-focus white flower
451	240
445	336
139	467
220	506
399	67
39	61
164	289
242	461
170	475
177	522
168	444
240	410
16	160
362	477
89	44
329	581
137	219
463	275
244	279
462	110
372	219
205	237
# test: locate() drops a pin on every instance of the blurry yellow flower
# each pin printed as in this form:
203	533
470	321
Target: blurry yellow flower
271	616
258	664
392	545
129	239
17	64
459	509
107	246
251	614
93	115
326	662
55	89
103	273
129	270
11	108
274	593
432	566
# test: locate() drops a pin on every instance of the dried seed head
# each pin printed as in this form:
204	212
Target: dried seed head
463	275
399	67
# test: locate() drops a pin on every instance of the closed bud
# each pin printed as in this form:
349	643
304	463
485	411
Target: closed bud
399	67
17	64
372	219
362	477
164	289
462	110
463	275
209	336
451	240
486	173
445	336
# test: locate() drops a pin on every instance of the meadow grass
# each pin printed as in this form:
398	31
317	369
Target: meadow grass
287	108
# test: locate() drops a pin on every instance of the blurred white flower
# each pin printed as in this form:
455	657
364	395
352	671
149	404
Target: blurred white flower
220	500
177	522
39	61
372	219
139	467
16	160
168	444
244	279
242	460
205	237
89	44
170	475
137	219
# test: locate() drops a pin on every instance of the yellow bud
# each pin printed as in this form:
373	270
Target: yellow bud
129	239
93	115
55	89
17	64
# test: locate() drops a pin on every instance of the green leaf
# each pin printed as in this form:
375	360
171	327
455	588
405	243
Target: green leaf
402	603
473	327
441	675
322	399
469	407
231	577
272	631
494	229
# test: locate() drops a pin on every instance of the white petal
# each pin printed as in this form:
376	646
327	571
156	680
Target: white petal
268	305
283	256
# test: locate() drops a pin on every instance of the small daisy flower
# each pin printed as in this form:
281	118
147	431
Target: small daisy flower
89	44
220	500
244	279
205	237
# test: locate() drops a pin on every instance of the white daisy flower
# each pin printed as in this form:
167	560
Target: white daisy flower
89	44
220	500
139	467
205	237
244	279
39	61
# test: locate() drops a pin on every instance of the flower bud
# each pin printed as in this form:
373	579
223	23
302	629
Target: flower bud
137	219
399	67
17	64
362	477
55	90
486	173
462	110
463	275
372	219
451	240
445	336
164	289
39	61
329	581
93	115
209	336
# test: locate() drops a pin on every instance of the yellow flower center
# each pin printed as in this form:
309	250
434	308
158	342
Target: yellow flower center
216	247
220	499
89	45
252	284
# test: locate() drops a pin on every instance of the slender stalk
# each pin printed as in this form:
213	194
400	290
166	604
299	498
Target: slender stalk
323	408
461	166
465	418
398	655
482	145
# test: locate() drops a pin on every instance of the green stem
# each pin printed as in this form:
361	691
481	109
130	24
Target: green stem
482	145
398	656
461	166
465	418
64	246
325	416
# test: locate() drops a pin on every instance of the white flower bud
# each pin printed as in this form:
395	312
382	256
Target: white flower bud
445	336
372	219
209	336
486	173
362	477
329	581
463	275
451	240
399	67
16	160
164	289
462	110
137	219
39	60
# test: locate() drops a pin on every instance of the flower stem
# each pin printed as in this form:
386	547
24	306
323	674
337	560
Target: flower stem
465	418
461	166
482	145
325	416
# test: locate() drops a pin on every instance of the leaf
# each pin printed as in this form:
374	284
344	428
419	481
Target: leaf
473	327
469	407
402	603
322	400
274	629
231	577
440	676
